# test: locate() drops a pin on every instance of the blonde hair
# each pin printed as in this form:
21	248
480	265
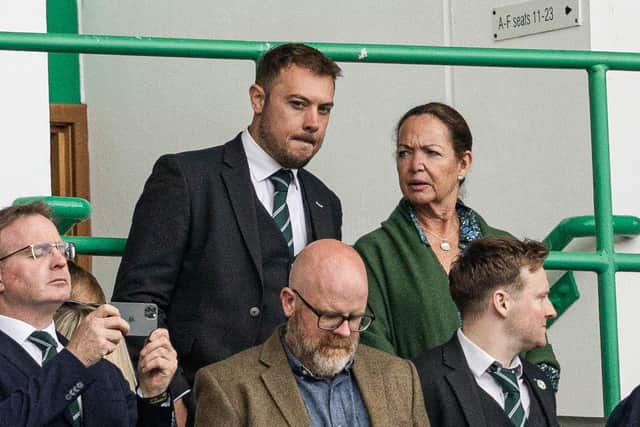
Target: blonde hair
84	286
67	319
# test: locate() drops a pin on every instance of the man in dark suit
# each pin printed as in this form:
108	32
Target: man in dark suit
477	378
215	230
313	372
46	381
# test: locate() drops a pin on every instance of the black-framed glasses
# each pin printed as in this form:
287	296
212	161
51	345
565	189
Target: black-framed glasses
44	249
332	321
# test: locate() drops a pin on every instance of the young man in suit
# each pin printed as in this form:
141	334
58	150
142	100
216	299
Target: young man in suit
215	230
47	381
311	371
477	378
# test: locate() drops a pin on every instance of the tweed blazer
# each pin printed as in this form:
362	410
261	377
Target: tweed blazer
257	388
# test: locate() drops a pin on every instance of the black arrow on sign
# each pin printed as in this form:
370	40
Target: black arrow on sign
567	10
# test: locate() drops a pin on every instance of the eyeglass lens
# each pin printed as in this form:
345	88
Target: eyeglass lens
44	249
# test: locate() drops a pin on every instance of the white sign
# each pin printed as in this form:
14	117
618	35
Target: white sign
534	17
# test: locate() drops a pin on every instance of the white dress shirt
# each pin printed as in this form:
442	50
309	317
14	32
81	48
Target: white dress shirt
20	331
479	361
261	167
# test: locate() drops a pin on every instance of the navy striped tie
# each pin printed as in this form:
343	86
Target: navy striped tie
508	381
48	347
281	180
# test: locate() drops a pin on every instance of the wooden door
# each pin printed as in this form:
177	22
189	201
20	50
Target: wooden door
70	160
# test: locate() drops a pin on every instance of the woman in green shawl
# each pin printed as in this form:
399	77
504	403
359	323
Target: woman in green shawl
408	258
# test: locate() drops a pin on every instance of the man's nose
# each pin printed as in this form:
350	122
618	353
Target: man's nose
58	258
311	120
343	330
551	313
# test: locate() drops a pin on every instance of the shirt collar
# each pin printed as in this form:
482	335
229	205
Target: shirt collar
302	371
479	360
20	331
261	164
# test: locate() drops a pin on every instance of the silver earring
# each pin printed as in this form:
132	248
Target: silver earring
460	177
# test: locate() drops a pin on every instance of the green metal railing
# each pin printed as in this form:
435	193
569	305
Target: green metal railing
604	261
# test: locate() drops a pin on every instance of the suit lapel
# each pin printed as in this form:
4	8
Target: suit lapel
281	383
317	208
17	356
540	390
242	197
371	384
462	383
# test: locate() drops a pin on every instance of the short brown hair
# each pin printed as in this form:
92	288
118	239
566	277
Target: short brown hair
489	263
9	214
299	54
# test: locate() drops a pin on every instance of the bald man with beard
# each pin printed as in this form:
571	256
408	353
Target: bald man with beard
311	371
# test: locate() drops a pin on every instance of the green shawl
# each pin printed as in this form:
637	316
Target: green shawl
409	290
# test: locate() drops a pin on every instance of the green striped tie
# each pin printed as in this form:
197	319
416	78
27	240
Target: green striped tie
47	346
281	180
508	381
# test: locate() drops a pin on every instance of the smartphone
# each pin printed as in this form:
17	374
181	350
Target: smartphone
141	316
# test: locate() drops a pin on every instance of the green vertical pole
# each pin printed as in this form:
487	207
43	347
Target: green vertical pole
601	164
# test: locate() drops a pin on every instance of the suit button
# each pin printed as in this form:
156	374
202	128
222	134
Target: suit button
254	311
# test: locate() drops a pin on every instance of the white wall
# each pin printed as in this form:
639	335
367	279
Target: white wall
532	164
616	29
533	168
24	109
140	108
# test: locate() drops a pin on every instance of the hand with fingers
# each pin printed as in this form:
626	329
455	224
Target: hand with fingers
157	363
98	334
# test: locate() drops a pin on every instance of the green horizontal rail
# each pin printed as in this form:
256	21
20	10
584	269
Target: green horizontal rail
585	226
604	261
104	246
66	211
564	292
345	52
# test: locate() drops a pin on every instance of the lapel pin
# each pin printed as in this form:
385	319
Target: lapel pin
319	204
541	384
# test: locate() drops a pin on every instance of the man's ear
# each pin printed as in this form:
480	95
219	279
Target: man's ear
500	302
257	97
288	298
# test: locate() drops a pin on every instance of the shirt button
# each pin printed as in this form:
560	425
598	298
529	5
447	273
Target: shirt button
254	312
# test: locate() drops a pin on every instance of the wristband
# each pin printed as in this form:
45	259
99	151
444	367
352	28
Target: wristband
157	400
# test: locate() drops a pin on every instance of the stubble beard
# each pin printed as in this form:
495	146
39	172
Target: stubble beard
278	151
324	358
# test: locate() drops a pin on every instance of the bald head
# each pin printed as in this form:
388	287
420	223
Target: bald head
328	281
329	267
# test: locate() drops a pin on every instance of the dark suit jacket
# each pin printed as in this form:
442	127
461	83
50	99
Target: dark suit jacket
627	413
452	395
34	396
194	250
258	388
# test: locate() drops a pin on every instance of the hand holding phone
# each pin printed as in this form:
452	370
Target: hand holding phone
141	316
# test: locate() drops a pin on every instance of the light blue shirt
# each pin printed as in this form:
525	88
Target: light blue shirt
336	402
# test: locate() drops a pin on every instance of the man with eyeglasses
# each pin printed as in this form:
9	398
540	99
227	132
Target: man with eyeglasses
311	371
47	381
